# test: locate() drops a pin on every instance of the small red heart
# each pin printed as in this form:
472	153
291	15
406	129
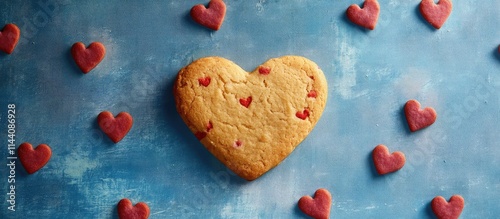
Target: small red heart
115	127
246	101
436	14
418	119
88	58
211	17
33	159
317	207
386	162
127	211
366	17
447	210
302	115
9	36
204	81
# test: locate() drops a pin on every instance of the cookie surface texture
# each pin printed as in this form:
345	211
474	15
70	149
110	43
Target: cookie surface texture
251	121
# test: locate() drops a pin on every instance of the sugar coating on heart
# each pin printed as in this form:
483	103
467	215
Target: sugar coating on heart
385	162
9	37
436	14
367	16
418	118
211	17
318	206
88	58
269	128
128	211
116	128
448	209
34	159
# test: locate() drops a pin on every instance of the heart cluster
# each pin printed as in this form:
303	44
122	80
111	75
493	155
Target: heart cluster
367	17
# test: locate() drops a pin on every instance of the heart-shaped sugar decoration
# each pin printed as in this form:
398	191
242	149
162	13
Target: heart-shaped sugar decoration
268	114
386	162
436	14
447	209
367	16
88	58
9	37
127	211
211	17
317	207
115	127
33	159
418	118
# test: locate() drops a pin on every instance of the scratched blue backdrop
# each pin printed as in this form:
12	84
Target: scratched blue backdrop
371	74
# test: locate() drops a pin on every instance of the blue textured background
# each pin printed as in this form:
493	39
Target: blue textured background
371	74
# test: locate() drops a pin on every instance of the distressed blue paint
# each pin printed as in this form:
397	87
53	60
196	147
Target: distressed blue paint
370	74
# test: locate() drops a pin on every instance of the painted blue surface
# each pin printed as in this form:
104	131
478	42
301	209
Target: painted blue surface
371	74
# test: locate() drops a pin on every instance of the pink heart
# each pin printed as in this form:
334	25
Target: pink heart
88	58
366	17
211	17
115	128
386	162
436	14
447	210
418	119
9	36
317	207
127	211
34	159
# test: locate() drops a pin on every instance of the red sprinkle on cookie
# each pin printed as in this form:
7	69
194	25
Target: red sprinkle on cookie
211	17
246	101
367	16
386	162
447	209
418	118
436	14
9	37
88	58
33	159
317	207
115	127
263	70
127	211
204	81
302	115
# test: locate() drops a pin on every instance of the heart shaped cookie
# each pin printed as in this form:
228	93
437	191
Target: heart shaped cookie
127	211
367	16
88	58
211	17
386	162
115	128
251	121
9	37
317	207
33	159
436	14
447	210
417	118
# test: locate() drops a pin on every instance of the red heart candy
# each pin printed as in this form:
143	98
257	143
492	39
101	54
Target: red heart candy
88	58
127	211
211	17
115	127
317	207
418	119
9	36
386	162
436	14
246	101
447	210
366	17
33	159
